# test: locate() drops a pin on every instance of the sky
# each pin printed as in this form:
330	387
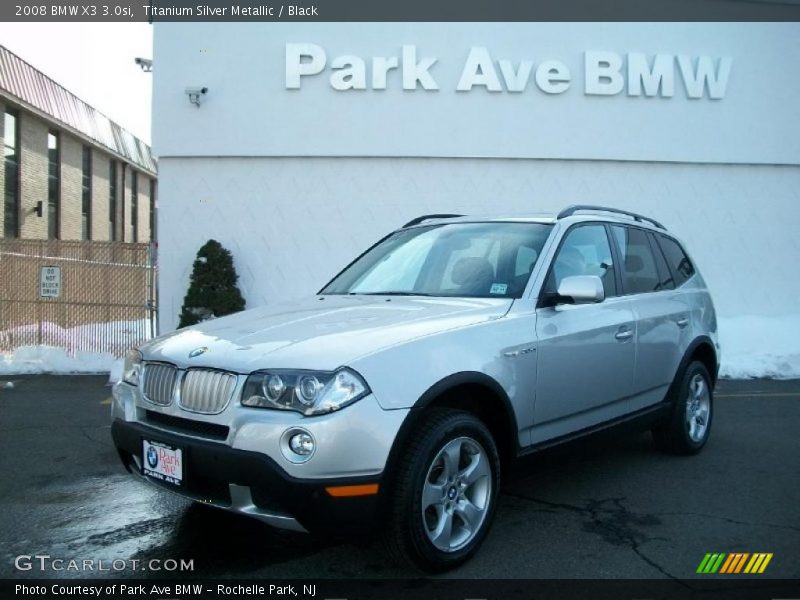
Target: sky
94	61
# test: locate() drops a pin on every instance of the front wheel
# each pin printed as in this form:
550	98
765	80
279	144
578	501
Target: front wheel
445	491
687	428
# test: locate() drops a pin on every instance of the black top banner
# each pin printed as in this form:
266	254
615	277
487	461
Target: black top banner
398	11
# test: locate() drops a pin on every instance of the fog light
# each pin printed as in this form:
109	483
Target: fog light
302	444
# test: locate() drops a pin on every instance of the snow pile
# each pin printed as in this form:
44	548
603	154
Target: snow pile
114	337
760	347
751	347
49	359
90	348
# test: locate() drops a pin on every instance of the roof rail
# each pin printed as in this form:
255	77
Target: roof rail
571	210
423	218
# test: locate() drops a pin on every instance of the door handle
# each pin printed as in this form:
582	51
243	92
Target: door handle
624	333
682	322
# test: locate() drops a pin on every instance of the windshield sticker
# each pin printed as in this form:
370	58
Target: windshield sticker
498	288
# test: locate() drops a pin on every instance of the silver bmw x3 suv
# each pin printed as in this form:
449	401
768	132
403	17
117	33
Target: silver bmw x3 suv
393	399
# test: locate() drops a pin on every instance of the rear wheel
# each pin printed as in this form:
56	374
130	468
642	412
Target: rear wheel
687	428
445	492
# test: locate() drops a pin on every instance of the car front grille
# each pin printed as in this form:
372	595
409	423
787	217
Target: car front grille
211	431
206	391
159	383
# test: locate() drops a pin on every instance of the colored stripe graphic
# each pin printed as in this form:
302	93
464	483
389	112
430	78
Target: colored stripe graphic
703	563
740	564
727	564
711	563
762	563
734	563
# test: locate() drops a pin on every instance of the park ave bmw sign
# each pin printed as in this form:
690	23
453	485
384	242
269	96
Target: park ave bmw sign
605	73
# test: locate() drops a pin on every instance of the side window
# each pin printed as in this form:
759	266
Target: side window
680	264
639	271
585	251
664	274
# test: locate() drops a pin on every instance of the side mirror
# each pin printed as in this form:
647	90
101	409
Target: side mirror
582	289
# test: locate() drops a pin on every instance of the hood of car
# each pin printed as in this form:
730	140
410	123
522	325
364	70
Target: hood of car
323	332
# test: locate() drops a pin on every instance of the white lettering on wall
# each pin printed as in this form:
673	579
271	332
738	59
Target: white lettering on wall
479	70
696	79
605	73
381	65
642	76
552	77
417	72
516	81
303	60
350	73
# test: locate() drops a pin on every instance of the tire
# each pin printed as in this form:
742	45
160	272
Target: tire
458	500
686	429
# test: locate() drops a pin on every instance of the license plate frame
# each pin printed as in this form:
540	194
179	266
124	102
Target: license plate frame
163	462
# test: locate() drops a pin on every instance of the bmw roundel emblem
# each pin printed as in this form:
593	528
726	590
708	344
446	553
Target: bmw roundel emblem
198	352
152	457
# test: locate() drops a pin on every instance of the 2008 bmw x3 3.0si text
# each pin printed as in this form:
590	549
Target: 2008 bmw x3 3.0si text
400	391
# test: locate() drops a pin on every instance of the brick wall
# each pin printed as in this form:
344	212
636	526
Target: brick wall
100	167
126	206
34	186
33	175
71	187
144	208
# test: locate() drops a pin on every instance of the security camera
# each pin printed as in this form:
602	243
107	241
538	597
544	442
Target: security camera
195	93
145	63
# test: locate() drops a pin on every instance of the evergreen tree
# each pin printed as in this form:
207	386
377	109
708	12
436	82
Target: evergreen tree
212	287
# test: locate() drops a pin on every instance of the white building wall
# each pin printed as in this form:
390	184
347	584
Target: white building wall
293	223
297	182
248	110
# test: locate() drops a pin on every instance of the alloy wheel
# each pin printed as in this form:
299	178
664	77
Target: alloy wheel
456	494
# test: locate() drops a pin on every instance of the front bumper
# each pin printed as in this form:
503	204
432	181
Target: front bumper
252	483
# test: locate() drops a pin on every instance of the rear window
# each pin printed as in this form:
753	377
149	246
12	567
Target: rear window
680	265
639	271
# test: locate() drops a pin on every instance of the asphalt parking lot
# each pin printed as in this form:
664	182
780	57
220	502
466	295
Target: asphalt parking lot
606	507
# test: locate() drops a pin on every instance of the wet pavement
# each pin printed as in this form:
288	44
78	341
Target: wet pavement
609	506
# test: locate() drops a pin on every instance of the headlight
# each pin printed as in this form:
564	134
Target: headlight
132	367
307	392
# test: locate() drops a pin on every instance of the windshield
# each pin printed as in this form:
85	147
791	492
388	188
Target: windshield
476	260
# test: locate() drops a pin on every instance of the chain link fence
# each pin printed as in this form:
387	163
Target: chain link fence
81	296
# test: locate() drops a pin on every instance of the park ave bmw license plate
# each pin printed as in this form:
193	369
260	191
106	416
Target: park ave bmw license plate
162	462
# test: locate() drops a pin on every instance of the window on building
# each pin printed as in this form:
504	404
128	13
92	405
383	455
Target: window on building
86	196
134	207
53	186
152	209
112	201
11	167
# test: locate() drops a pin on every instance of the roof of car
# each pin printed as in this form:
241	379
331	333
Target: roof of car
545	218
